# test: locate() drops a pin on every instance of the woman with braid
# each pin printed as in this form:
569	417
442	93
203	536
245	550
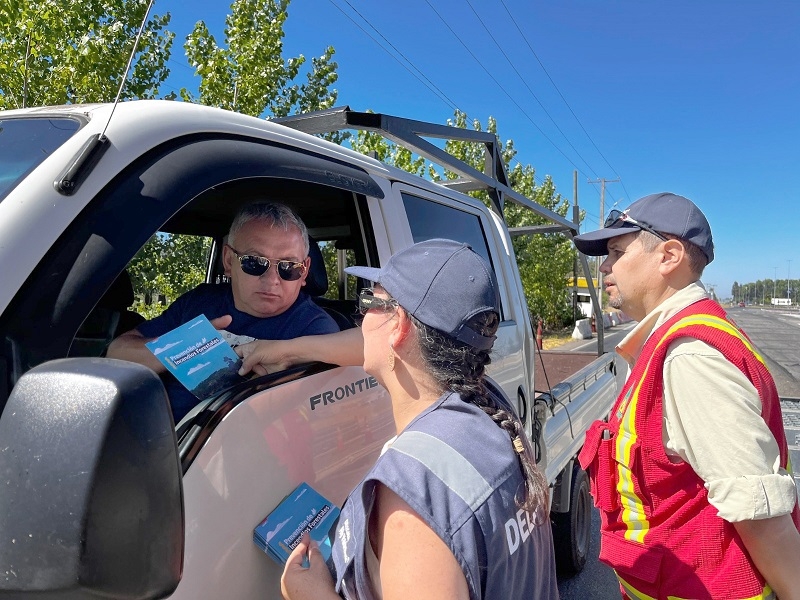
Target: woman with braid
455	506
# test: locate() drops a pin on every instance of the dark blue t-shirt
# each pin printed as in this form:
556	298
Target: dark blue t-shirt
301	318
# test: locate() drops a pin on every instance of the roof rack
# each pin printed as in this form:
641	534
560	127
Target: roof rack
493	179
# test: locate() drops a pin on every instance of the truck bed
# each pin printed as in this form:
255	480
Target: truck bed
559	366
790	407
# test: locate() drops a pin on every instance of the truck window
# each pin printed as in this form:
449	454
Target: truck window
428	219
167	266
24	143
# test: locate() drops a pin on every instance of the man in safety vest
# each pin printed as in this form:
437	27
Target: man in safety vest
691	472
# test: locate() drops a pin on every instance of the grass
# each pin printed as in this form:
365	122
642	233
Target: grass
554	339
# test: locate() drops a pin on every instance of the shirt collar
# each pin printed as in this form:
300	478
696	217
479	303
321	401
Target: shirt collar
631	346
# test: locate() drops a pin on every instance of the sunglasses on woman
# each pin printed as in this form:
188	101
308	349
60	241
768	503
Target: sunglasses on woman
367	300
288	270
618	215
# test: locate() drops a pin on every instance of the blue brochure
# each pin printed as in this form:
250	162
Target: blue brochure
302	510
198	356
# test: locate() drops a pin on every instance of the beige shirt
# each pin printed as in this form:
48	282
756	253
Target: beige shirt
712	420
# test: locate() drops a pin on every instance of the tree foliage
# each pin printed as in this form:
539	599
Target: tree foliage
166	267
248	74
58	55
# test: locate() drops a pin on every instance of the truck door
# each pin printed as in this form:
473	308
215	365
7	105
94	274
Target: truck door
430	215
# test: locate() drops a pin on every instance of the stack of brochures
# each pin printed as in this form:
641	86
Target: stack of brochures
302	510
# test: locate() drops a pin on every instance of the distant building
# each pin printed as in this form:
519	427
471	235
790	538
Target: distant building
580	292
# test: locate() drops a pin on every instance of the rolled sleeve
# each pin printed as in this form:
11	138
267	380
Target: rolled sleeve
753	497
712	420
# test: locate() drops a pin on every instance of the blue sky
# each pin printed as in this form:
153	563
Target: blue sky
698	98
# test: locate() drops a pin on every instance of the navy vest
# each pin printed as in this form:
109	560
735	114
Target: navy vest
457	469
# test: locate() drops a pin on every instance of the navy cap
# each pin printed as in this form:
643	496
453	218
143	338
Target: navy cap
443	284
664	212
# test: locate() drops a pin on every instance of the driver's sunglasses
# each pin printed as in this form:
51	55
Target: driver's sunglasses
367	300
619	215
288	270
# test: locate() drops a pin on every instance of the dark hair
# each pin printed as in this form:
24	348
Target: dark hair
460	368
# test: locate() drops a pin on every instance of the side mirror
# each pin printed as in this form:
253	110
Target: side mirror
91	496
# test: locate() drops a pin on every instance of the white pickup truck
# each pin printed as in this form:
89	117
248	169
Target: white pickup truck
101	494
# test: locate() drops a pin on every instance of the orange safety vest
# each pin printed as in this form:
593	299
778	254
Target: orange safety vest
658	531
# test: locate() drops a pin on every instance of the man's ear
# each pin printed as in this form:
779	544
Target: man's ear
673	255
307	263
227	259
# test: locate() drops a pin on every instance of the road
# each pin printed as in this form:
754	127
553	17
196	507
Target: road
776	333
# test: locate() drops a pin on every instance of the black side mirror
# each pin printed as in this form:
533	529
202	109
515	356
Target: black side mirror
91	497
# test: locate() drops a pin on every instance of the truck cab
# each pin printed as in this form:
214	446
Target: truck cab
82	189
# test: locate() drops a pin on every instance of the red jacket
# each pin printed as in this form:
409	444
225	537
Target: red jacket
659	531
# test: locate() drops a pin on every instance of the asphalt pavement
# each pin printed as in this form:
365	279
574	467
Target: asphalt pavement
776	334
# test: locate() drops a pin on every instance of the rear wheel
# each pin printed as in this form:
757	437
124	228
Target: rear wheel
572	529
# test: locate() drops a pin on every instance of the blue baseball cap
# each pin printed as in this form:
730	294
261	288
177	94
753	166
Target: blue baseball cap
664	213
443	284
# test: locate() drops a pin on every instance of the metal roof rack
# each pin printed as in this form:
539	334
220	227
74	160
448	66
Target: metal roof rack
493	179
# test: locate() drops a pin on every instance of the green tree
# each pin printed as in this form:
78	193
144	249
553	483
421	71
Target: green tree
249	73
58	55
166	267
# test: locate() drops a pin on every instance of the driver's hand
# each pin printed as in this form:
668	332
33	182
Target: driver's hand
221	322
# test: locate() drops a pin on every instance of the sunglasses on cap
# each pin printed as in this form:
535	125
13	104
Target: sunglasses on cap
619	215
367	300
288	270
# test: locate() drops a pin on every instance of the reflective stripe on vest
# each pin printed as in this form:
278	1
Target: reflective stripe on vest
455	471
632	592
633	514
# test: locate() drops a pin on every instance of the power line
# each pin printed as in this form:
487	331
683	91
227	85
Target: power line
436	91
525	83
427	82
527	42
499	85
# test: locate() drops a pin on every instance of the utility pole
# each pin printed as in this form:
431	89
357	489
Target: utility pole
576	218
788	271
602	183
775	284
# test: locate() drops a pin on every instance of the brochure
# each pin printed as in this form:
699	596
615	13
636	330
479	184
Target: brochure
302	510
198	356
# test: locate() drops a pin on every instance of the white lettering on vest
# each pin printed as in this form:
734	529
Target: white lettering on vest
512	535
518	529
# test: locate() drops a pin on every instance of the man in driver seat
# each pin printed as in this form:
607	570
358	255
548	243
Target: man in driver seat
266	258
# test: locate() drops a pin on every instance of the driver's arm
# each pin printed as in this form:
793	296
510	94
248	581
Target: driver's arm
130	346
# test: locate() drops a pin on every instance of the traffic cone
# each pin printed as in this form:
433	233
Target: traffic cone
539	334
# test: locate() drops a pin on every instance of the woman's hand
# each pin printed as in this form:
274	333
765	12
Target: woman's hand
307	583
263	357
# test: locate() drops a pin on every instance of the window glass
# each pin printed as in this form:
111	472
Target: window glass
429	219
167	266
25	143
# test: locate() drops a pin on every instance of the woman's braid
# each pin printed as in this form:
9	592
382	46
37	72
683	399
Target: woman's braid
460	368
